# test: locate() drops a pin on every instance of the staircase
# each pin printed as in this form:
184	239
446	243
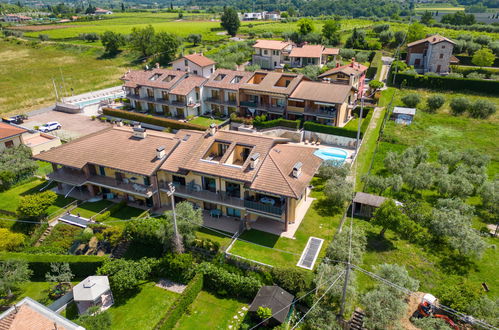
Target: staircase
357	320
44	235
120	250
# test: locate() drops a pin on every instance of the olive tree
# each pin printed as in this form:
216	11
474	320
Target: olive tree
337	191
411	100
459	105
482	109
388	216
435	102
13	273
339	249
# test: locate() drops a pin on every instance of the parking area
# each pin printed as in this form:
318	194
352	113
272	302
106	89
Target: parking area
73	125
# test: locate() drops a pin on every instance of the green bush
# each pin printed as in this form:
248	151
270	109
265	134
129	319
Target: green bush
294	124
482	109
180	305
459	105
110	211
82	265
177	267
225	283
375	66
163	122
411	100
35	206
102	216
326	129
435	102
292	279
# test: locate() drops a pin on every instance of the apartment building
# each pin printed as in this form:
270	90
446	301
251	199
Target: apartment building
196	63
241	176
221	91
167	92
432	54
267	93
352	74
311	55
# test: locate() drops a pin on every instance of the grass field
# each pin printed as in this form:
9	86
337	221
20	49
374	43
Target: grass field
210	312
89	209
205	121
27	73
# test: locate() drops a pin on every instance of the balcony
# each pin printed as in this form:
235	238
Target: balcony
315	112
267	208
271	108
195	191
217	100
109	182
249	104
68	176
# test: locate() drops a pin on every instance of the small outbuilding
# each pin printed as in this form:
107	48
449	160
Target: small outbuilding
93	291
403	115
275	298
365	204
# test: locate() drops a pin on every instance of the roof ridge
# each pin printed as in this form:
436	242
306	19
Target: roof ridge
282	174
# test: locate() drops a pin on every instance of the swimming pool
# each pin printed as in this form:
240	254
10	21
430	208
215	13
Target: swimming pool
83	104
336	154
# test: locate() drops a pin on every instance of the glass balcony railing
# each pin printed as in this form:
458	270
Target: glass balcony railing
263	207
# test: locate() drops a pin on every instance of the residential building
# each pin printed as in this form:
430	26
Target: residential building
196	64
100	11
93	291
14	136
272	15
267	93
221	91
432	54
311	55
167	92
16	18
270	54
252	16
328	104
239	175
29	314
352	74
264	15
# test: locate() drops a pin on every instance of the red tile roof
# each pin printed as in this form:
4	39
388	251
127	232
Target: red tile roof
354	68
185	86
313	51
331	51
271	44
199	59
321	92
159	78
7	131
432	40
227	77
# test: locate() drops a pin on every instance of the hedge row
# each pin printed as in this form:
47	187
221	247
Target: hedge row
148	119
375	66
467	70
447	83
332	130
180	305
110	211
466	60
294	124
83	266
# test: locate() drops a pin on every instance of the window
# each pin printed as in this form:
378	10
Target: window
219	77
443	46
9	144
233	189
441	55
195	72
102	170
186	63
236	79
265	52
147	182
233	212
150	93
209	184
178	180
211	70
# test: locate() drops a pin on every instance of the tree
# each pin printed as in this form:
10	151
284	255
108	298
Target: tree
34	207
13	273
431	323
166	47
426	18
189	220
291	279
332	169
388	216
305	26
459	293
125	275
420	177
399	37
459	105
43	37
415	32
458	18
230	21
381	28
94	319
330	31
386	37
482	108
382	308
490	196
59	272
112	42
357	40
398	275
411	100
194	38
483	57
123	7
338	191
264	312
339	250
15	165
143	41
376	85
435	102
9	240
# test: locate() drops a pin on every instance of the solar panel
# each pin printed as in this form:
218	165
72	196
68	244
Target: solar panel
310	253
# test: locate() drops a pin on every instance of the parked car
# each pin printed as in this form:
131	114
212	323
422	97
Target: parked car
18	119
51	126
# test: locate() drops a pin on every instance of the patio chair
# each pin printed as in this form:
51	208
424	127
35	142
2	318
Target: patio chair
318	142
306	141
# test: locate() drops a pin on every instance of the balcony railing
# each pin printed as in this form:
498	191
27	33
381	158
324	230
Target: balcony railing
220	101
263	207
249	104
197	192
328	113
72	177
135	188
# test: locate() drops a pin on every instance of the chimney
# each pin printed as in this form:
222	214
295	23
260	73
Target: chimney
160	152
297	169
254	160
353	61
337	64
139	132
213	129
434	38
157	65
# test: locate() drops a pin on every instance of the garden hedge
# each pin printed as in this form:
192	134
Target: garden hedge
81	266
375	66
446	83
294	124
148	119
180	305
110	211
332	130
466	60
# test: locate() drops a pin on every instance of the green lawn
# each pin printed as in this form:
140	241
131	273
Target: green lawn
210	312
44	168
143	310
205	121
124	213
320	221
89	209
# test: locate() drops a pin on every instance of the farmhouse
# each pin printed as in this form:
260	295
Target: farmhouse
16	18
100	11
432	54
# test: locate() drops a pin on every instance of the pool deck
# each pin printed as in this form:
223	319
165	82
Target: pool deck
350	152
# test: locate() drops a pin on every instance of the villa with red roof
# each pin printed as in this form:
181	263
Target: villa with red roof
432	54
196	63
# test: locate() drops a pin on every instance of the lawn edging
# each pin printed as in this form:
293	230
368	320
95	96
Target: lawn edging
40	263
177	309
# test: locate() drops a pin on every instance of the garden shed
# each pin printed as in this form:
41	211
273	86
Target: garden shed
403	115
93	291
277	299
365	204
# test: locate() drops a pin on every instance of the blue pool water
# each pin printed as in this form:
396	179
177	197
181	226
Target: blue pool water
335	154
98	99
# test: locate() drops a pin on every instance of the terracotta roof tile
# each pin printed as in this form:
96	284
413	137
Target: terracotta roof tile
431	39
354	68
226	81
199	59
186	85
189	140
269	81
271	44
7	131
321	92
331	51
312	51
159	78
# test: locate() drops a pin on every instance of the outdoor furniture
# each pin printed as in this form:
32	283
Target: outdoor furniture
318	142
216	213
267	200
306	141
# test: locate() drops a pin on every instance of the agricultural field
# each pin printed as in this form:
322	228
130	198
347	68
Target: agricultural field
441	7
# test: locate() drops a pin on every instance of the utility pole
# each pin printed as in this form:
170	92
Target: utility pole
177	243
359	125
63	83
55	89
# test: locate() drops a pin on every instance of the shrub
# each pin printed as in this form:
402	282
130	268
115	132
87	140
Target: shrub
225	283
326	129
163	122
294	124
435	102
178	267
178	308
375	66
15	165
411	100
43	37
10	240
475	75
292	279
35	206
482	109
459	105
